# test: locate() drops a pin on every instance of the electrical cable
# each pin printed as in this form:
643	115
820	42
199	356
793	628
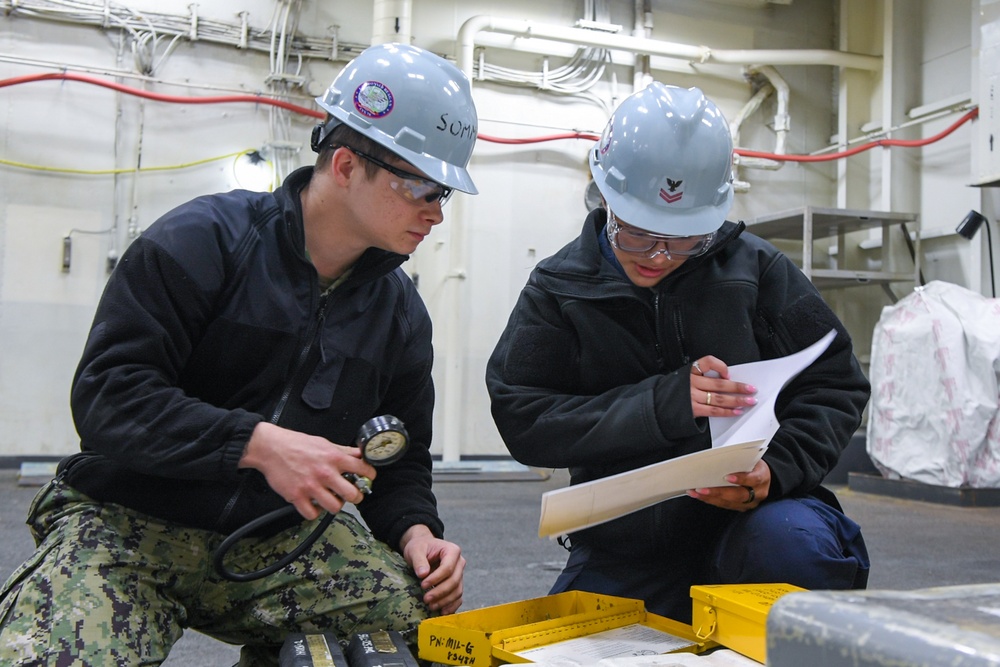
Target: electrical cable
912	249
128	170
109	15
989	245
575	78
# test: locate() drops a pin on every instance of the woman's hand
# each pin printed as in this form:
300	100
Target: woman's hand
713	394
751	490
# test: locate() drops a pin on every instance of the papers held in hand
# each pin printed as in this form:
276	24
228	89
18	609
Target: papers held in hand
737	444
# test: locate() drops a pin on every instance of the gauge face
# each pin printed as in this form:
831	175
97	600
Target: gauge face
382	440
384	447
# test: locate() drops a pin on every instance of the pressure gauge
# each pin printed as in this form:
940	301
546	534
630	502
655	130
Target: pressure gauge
382	440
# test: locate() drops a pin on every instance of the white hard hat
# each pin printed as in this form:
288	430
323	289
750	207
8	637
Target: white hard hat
413	102
664	162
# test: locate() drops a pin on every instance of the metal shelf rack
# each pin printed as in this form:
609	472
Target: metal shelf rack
809	223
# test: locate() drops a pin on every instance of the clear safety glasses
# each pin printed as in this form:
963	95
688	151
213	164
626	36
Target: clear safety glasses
630	239
409	186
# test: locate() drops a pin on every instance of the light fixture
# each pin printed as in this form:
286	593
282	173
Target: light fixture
967	229
253	171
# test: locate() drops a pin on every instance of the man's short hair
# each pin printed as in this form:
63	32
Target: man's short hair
343	135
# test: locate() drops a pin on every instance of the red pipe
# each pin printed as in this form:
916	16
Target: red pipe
260	99
176	99
908	143
533	140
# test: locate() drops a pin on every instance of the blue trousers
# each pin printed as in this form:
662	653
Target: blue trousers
799	541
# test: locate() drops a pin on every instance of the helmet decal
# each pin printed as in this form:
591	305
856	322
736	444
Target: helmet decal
673	193
606	139
373	100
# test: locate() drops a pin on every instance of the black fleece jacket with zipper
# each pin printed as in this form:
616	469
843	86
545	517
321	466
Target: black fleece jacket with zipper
213	321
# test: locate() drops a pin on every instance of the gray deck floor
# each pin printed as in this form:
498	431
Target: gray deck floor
913	544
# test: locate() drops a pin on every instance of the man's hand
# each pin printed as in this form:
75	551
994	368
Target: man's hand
438	564
751	492
305	470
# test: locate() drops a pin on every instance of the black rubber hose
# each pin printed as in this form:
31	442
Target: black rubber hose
243	531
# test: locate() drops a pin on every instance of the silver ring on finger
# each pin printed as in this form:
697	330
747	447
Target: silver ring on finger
708	398
697	367
752	497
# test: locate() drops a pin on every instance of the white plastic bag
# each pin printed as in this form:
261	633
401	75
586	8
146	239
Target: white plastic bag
934	415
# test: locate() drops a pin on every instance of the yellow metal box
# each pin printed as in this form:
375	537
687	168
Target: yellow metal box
492	636
735	615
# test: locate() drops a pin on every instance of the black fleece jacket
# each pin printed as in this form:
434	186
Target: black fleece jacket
593	373
212	322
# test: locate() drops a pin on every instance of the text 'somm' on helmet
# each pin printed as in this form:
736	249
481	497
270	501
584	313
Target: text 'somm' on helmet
415	103
664	162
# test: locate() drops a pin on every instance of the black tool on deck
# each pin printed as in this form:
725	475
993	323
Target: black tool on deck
311	650
383	648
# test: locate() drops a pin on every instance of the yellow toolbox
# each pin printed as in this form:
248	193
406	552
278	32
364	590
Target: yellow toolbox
735	615
505	633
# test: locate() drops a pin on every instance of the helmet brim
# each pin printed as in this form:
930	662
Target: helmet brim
448	175
660	217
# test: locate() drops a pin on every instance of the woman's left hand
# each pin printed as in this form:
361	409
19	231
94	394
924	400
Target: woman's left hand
751	490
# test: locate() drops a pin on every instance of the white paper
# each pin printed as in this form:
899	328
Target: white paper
737	445
717	658
770	377
583	505
626	641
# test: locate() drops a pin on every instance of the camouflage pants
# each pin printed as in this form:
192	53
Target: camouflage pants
109	586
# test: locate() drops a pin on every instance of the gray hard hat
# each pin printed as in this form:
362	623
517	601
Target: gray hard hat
415	103
664	162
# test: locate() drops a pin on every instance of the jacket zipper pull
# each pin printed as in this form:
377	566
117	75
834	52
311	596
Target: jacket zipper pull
660	361
320	318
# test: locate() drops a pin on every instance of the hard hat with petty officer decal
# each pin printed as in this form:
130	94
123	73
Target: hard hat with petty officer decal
664	162
413	102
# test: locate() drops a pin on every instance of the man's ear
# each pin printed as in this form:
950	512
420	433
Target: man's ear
343	165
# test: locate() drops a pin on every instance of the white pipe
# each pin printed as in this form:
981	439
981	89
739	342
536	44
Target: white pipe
391	21
476	24
736	126
781	118
542	47
748	109
641	76
782	121
453	292
797	57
